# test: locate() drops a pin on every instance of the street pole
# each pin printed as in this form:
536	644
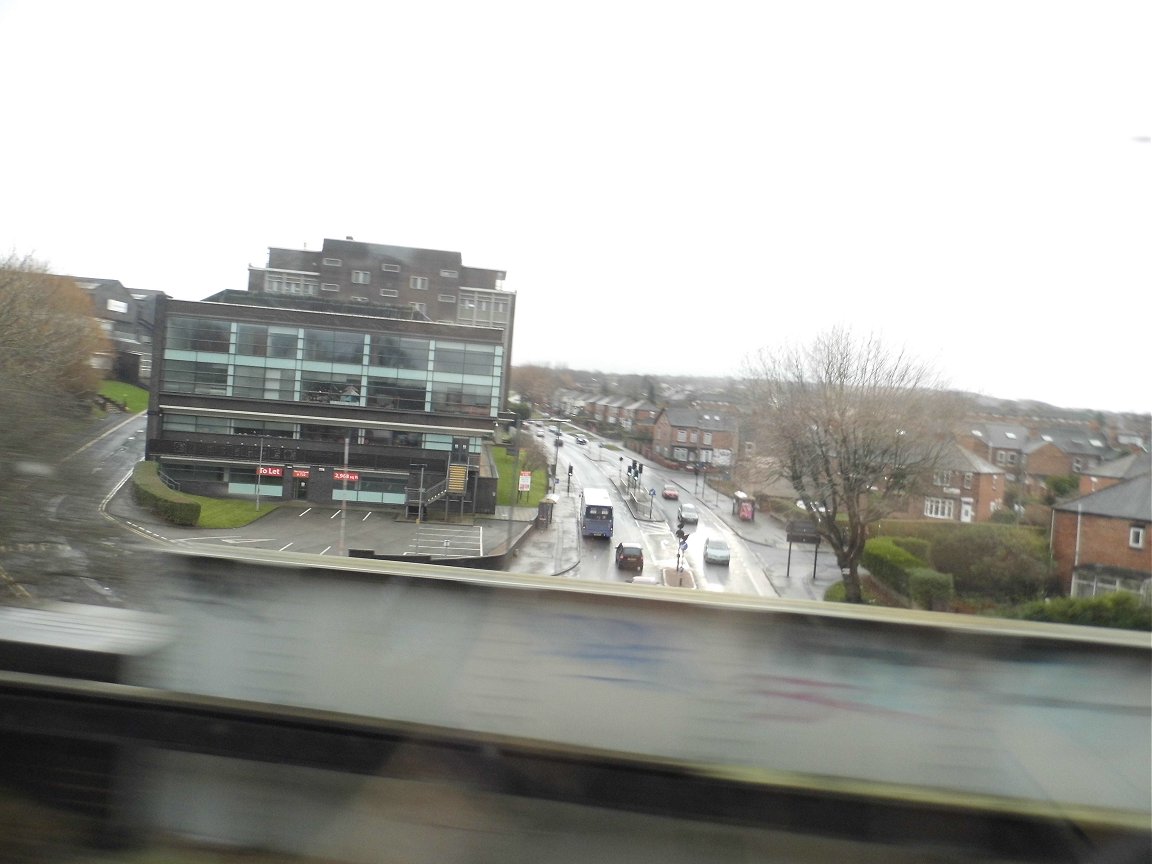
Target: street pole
344	501
259	470
420	510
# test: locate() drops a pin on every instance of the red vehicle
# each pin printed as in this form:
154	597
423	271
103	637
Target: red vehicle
670	491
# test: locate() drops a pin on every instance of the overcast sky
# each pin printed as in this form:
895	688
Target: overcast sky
669	186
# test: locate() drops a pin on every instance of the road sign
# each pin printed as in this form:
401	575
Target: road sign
525	482
683	545
652	492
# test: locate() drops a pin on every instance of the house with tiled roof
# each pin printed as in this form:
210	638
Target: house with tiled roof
686	437
1063	453
1100	543
963	488
621	412
1115	471
1001	444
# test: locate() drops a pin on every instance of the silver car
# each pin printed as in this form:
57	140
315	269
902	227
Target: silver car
716	551
688	513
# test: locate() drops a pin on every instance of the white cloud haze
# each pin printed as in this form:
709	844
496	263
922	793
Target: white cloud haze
669	186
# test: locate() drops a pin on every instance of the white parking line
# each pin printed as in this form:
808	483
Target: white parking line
285	547
305	511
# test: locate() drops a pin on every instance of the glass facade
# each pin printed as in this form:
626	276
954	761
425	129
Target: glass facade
309	364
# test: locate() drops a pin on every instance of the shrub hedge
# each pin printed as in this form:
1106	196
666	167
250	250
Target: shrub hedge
889	564
1121	610
148	490
930	589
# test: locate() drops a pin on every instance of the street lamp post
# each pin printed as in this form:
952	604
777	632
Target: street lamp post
344	500
259	471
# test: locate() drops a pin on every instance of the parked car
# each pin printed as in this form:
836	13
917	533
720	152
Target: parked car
630	556
716	551
688	513
670	491
580	439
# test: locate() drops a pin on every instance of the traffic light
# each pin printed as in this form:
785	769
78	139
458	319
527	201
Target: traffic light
569	470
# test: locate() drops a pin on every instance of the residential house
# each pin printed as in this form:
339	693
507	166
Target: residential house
687	437
621	412
963	488
1100	543
1115	471
1062	453
1000	444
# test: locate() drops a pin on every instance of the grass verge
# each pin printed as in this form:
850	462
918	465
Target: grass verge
135	398
231	512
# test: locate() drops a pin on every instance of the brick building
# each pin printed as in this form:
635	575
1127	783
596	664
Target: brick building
1100	542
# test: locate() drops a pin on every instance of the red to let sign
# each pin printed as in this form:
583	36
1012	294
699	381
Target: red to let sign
345	475
525	483
300	472
270	470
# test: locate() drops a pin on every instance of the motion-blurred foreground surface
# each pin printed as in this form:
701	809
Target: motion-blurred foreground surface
361	710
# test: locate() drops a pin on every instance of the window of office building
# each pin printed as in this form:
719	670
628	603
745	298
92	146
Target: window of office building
462	398
452	357
446	298
334	346
194	473
389	292
419	283
390	268
265	429
260	382
332	262
449	274
398	352
191	376
396	393
361	277
199	334
117	306
193	423
290	283
331	388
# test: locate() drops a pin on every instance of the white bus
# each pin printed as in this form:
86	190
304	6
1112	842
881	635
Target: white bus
595	513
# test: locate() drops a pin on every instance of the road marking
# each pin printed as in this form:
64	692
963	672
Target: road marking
101	437
324	551
282	548
306	511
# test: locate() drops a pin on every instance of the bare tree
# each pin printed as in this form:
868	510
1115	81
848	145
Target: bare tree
852	426
48	337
